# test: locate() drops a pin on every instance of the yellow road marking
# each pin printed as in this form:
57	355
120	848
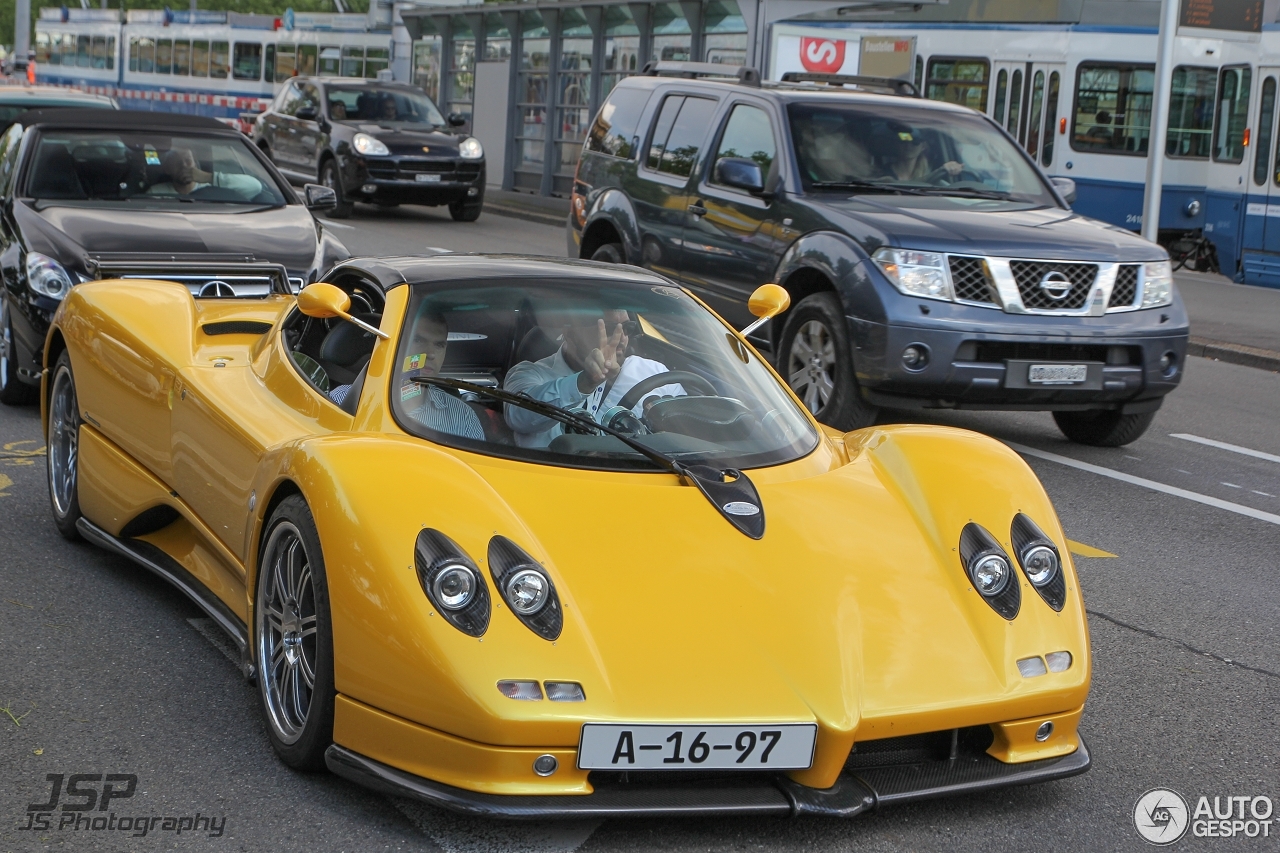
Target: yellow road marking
1082	550
5	483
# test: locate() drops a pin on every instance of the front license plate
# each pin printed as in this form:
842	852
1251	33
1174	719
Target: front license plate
1057	374
427	179
613	746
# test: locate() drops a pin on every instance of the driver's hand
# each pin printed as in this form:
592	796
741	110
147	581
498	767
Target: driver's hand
603	362
953	168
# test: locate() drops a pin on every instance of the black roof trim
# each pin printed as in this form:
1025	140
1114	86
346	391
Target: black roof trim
893	85
119	120
747	76
393	272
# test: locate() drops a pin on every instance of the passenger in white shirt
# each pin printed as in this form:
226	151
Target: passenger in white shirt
591	370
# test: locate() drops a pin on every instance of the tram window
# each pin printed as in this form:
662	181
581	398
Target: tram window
330	60
1002	84
199	59
1191	112
375	60
99	52
42	48
269	64
248	61
1015	102
353	62
1033	118
306	60
218	60
1050	119
111	52
1112	112
1232	114
182	57
68	49
146	55
1266	124
919	79
959	80
82	51
164	56
286	61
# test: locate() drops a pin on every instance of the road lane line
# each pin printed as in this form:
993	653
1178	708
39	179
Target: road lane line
1082	550
1264	494
1222	445
1154	486
1231	485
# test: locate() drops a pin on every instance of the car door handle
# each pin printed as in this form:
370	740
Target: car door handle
697	209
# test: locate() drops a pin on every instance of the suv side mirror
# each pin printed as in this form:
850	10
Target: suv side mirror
456	120
307	113
739	173
319	198
1066	188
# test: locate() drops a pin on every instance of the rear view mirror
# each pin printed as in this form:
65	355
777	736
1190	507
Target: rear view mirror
739	173
768	301
456	120
319	198
323	301
1065	187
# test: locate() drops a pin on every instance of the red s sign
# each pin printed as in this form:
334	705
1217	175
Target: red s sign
822	56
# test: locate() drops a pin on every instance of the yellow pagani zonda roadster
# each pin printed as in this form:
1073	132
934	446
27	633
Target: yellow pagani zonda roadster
529	538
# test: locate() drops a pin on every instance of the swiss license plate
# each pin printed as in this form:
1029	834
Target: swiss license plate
1057	374
619	746
427	179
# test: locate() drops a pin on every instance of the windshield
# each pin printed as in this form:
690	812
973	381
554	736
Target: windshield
383	106
152	167
909	148
646	361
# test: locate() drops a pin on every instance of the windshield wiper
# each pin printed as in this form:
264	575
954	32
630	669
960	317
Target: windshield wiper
967	192
729	490
874	186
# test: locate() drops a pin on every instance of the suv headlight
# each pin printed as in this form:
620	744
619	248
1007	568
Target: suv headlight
46	276
1157	284
366	144
916	273
470	149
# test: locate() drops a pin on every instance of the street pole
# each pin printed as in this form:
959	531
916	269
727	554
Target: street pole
1160	97
21	34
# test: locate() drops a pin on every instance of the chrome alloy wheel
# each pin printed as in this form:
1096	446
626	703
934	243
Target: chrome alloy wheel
64	441
286	632
6	343
811	365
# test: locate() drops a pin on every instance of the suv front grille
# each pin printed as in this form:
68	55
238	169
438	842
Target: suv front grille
1030	274
1126	289
970	279
406	168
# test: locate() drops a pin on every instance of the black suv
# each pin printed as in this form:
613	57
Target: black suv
384	143
931	264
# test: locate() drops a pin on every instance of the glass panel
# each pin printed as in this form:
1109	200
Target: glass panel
919	79
308	55
672	38
99	52
286	61
218	60
164	56
497	39
1113	108
1191	112
687	135
1266	128
621	48
615	128
1050	119
69	51
329	60
248	61
535	62
376	59
662	129
269	64
1002	86
42	48
83	49
1015	102
182	57
1033	118
724	33
199	59
462	75
959	80
573	115
111	52
133	54
352	61
1233	115
426	65
748	134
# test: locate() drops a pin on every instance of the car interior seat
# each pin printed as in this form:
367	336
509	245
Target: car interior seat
535	345
54	175
345	350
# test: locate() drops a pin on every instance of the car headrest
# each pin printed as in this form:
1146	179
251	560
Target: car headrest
347	343
535	345
55	175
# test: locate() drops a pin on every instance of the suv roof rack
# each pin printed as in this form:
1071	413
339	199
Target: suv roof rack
892	85
746	75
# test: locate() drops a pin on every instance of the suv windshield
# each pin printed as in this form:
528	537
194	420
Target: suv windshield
384	106
648	362
158	168
909	149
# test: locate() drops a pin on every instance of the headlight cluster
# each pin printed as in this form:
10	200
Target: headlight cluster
1157	284
470	149
916	273
456	587
991	572
46	276
363	143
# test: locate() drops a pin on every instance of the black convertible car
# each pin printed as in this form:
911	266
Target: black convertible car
88	194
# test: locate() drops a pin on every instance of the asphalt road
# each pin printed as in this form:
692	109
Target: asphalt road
107	670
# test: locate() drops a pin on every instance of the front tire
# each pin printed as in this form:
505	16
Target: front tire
1101	428
330	178
466	211
13	391
62	454
816	359
293	638
610	253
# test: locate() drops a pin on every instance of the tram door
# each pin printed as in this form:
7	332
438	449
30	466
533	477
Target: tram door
1229	170
1262	209
1039	130
1008	87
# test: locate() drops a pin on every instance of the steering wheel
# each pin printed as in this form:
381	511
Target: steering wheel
671	377
941	172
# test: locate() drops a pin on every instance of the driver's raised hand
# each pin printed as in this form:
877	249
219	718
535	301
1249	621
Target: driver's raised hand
603	362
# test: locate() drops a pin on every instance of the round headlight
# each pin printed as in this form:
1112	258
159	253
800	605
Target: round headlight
990	574
1040	564
454	587
527	591
366	144
470	149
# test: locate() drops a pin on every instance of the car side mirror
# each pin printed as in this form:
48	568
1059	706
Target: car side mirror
1066	188
739	173
307	113
456	120
324	301
319	198
767	302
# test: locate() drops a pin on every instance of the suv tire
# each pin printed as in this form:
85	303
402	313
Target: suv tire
816	360
1102	428
610	253
463	211
330	178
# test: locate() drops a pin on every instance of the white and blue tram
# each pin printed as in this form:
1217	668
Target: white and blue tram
1078	94
217	64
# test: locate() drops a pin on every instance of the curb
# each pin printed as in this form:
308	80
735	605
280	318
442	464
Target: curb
541	217
1247	356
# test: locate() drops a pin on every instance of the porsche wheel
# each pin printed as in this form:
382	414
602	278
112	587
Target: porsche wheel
330	178
63	449
465	211
293	638
816	359
13	391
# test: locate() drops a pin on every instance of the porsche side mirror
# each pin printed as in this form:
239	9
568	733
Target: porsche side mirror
1066	188
323	301
739	173
768	301
456	120
319	198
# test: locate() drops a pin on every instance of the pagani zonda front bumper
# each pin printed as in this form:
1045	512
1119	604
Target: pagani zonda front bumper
878	773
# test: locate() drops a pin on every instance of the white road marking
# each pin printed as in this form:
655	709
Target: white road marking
1181	471
332	224
1264	494
459	833
1230	485
1134	458
1222	445
1154	486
